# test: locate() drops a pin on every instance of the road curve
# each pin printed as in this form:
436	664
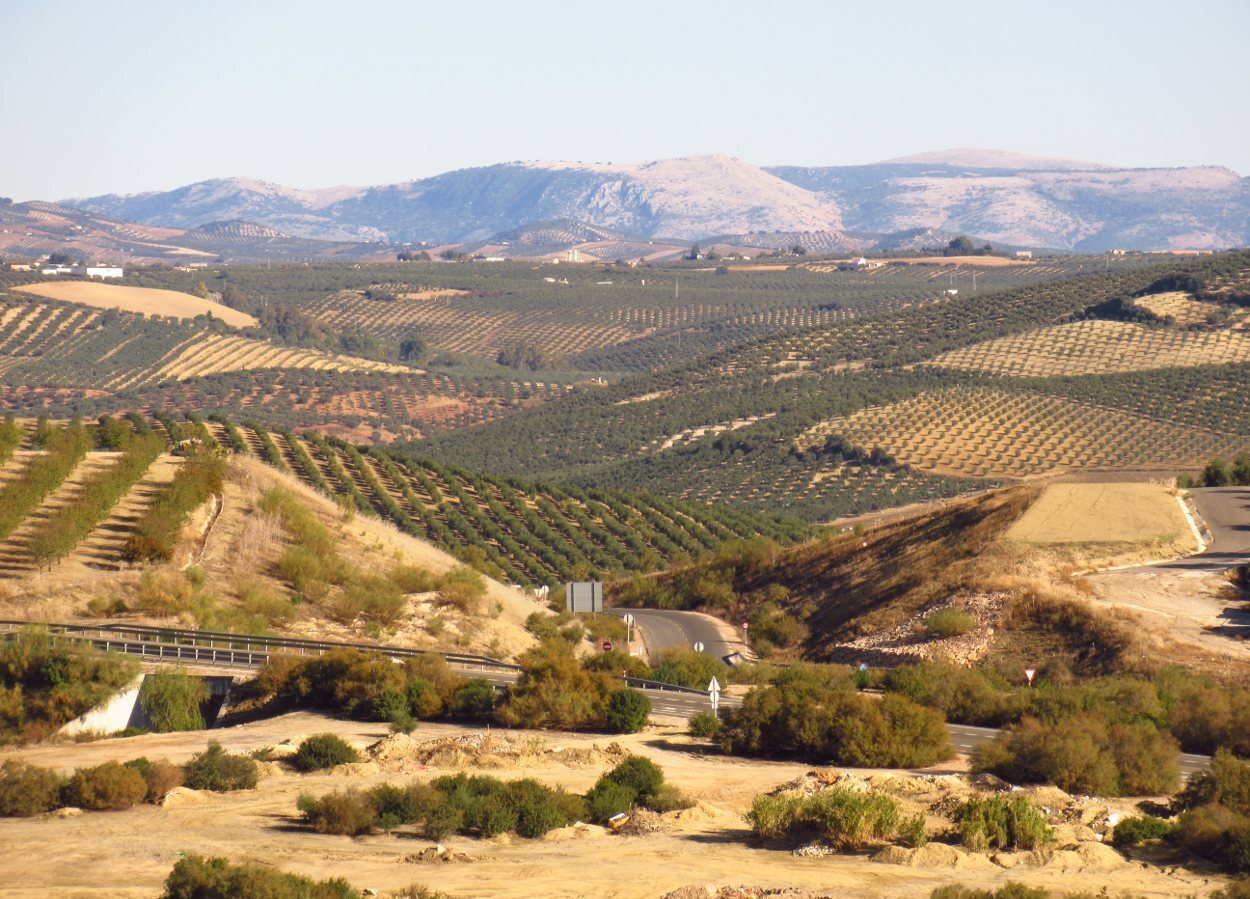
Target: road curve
1226	513
664	629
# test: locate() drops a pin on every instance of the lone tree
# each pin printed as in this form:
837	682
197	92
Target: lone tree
694	252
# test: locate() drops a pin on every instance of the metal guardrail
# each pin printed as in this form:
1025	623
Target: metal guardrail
224	650
241	644
642	683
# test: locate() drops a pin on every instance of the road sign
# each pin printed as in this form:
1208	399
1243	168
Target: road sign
746	625
863	666
713	692
698	647
1029	672
629	619
607	645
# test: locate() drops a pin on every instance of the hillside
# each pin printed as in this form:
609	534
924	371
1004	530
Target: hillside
896	407
996	196
524	532
36	229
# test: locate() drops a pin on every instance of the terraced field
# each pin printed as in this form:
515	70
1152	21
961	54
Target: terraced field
993	433
1095	347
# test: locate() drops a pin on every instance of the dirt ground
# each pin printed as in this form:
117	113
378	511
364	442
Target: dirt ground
128	854
148	300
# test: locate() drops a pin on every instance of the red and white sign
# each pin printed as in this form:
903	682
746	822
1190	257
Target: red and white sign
1029	672
746	625
607	645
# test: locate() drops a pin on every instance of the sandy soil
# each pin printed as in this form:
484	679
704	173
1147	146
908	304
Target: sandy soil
128	854
147	300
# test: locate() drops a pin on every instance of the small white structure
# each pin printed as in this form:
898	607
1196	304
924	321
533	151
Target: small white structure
952	292
57	270
104	271
1024	254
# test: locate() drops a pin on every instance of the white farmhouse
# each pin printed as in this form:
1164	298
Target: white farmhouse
104	271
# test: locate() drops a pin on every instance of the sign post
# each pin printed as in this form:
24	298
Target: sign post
629	624
698	647
1028	673
607	645
713	692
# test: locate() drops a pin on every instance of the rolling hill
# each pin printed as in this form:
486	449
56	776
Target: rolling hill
1000	197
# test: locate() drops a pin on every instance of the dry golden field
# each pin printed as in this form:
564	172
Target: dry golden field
138	299
1102	513
990	433
1095	347
1183	309
211	354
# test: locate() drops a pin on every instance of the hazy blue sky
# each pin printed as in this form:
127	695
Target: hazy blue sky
128	96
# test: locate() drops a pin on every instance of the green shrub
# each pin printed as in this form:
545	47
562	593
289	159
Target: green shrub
348	812
322	751
172	701
1135	831
1226	781
607	799
462	588
26	790
847	820
555	691
996	823
687	668
476	699
814	714
1081	754
107	787
704	724
394	806
216	769
197	877
628	711
411	579
912	832
949	623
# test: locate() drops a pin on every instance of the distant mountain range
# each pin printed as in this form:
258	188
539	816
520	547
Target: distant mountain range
1002	197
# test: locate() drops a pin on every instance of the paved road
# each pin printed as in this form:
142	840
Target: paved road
663	629
1226	512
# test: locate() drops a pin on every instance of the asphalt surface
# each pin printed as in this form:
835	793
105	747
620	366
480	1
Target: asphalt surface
1226	513
663	629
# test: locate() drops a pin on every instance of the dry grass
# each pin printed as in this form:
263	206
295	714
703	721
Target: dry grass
146	300
1101	513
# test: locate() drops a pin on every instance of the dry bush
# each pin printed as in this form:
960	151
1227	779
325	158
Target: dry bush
26	790
111	786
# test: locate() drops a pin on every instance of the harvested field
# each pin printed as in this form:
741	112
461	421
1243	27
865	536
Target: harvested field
991	433
1102	513
146	300
1095	347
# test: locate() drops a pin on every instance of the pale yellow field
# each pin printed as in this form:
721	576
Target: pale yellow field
147	300
1101	513
987	433
1180	306
1098	347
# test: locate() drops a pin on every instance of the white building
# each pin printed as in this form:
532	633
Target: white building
1024	254
104	271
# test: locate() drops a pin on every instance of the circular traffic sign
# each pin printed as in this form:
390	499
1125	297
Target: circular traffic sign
607	645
